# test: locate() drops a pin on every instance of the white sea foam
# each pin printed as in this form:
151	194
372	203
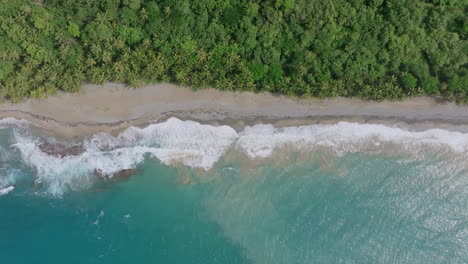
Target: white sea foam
260	141
173	141
196	145
187	142
10	121
6	190
76	171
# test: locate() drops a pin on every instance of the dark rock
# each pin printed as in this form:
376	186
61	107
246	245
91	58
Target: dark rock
122	175
60	150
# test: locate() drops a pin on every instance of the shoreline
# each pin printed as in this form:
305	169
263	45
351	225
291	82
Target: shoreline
111	108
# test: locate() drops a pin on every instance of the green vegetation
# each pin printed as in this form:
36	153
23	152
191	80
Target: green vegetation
374	49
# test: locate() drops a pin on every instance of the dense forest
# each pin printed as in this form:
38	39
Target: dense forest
373	49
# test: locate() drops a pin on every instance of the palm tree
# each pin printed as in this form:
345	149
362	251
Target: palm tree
102	19
144	14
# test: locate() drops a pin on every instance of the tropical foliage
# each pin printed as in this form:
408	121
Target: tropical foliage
374	49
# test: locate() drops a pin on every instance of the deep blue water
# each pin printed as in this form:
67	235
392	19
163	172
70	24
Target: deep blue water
353	207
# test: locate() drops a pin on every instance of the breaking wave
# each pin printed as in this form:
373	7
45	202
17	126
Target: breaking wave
6	190
200	146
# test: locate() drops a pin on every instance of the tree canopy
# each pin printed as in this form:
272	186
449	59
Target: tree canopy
373	49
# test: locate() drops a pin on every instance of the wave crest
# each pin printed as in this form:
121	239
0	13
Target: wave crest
260	141
174	141
200	146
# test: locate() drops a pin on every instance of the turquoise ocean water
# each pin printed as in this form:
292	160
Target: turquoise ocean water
192	193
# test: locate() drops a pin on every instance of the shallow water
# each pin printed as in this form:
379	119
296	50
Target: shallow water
345	193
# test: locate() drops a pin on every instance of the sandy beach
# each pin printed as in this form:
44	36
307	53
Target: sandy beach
113	107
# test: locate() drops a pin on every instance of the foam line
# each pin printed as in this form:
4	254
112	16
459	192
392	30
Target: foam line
6	190
200	146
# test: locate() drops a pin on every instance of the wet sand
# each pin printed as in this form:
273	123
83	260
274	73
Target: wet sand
113	107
